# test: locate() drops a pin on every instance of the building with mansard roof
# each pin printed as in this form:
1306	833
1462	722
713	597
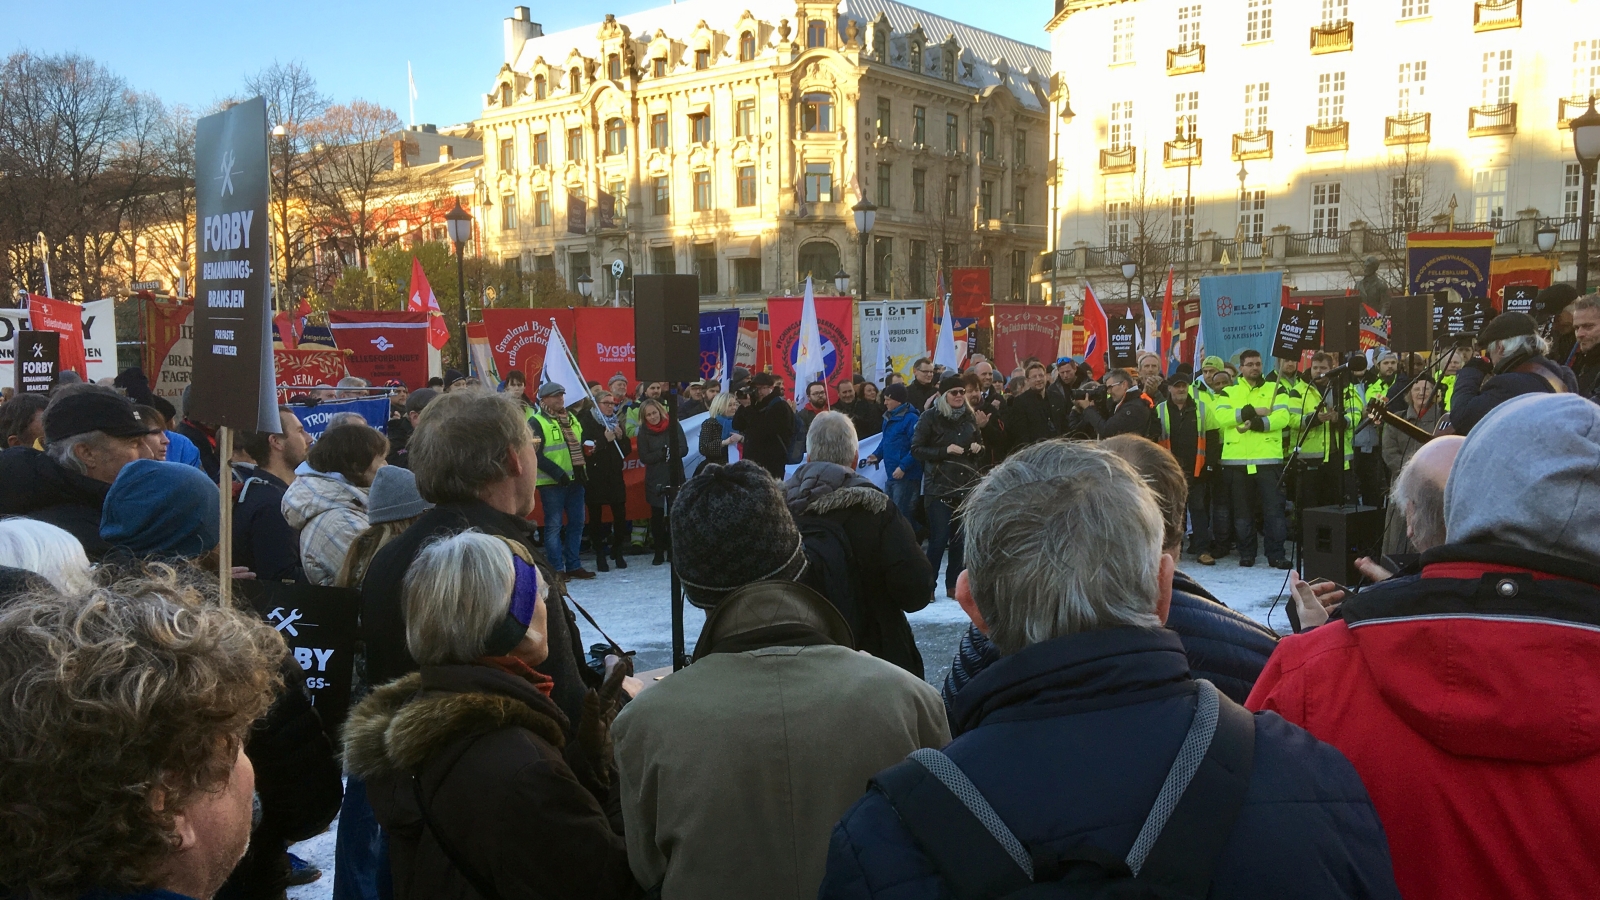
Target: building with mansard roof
733	141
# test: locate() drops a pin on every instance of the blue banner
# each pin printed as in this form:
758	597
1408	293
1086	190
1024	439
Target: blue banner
718	331
1239	312
316	418
1456	261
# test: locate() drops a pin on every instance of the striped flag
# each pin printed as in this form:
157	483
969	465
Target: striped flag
1374	328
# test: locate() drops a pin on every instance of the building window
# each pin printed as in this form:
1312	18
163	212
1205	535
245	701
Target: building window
508	155
541	208
1489	197
661	196
816	33
700	128
1119	223
575	79
1585	69
619	200
1406	195
952	132
540	89
1412	9
508	212
1122	40
1572	191
986	138
705	266
919	190
614	67
1019	148
1019	204
1335	13
1326	215
747	185
702	60
819	259
541	149
1188	27
1255	108
505	95
882	264
544	263
985	200
1413	85
952	194
885	185
1496	78
747	47
747	276
658	67
1120	133
918	270
1253	215
819	183
702	191
616	137
919	126
1019	274
1186	111
884	121
659	135
577	267
1330	99
744	119
1258	21
574	145
816	113
662	261
1183	220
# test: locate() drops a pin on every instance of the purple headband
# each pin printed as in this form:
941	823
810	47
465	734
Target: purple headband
525	592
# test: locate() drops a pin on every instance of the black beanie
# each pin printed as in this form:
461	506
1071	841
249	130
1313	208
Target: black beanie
730	527
950	383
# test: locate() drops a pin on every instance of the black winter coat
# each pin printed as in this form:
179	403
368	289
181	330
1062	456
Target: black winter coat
943	475
768	427
383	624
892	574
209	460
653	453
918	394
866	415
605	483
1478	391
1070	740
1032	417
36	486
1586	368
1132	416
263	542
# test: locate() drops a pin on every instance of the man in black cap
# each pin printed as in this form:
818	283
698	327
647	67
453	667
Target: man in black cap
90	433
399	437
767	425
1516	366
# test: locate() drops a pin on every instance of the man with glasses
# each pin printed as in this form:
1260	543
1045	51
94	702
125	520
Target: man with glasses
1130	411
922	388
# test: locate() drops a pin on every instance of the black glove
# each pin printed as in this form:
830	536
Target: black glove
1479	363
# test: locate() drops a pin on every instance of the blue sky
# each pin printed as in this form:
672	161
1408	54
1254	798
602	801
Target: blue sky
195	53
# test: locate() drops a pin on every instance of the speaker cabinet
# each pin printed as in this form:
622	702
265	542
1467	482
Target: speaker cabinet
1411	324
1341	324
1333	538
666	327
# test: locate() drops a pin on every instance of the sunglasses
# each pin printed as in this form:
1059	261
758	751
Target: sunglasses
959	391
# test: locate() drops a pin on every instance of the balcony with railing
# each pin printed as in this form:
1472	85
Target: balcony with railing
1569	229
1493	15
1323	138
1181	153
1252	146
1113	162
1317	243
1569	108
1489	120
1505	231
1333	38
1414	129
1184	60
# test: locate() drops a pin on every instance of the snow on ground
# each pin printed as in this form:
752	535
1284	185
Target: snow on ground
634	606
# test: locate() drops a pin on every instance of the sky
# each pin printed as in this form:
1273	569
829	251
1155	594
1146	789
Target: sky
194	53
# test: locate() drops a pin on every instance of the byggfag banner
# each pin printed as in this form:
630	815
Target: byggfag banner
379	346
834	324
602	339
904	325
1240	312
1449	260
169	349
517	337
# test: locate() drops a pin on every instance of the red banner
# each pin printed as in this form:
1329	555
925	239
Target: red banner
834	324
969	291
66	319
169	349
1023	331
603	343
309	368
379	346
517	337
1534	271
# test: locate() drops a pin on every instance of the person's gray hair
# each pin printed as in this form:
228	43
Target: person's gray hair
942	404
1520	344
1421	499
457	590
463	442
1117	375
346	418
832	438
351	381
1061	538
47	551
1586	303
64	450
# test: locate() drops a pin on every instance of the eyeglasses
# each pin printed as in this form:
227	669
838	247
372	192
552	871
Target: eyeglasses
960	392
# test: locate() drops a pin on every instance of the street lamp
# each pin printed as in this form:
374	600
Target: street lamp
1586	143
585	286
1129	269
841	282
866	216
1547	237
458	223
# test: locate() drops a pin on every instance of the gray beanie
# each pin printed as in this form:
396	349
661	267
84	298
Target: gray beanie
1528	476
730	528
393	496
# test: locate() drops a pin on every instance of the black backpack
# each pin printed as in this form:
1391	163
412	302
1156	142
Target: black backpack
1174	855
831	566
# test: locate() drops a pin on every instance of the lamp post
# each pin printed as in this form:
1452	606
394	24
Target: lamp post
1129	269
841	282
585	286
866	216
1586	143
458	223
1547	237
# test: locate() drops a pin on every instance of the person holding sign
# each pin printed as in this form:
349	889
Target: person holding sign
1252	415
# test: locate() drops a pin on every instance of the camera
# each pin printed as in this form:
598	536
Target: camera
1092	392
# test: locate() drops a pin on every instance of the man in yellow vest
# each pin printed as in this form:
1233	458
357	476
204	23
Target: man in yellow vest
1326	421
562	475
1187	430
1252	415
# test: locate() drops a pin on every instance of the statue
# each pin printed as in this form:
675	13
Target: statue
1374	290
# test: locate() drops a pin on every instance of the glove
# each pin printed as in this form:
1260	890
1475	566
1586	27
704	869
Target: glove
590	754
1479	363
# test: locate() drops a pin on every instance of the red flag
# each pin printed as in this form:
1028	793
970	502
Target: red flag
1098	330
66	319
1166	327
423	300
286	331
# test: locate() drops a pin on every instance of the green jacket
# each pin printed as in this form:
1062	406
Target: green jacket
1261	444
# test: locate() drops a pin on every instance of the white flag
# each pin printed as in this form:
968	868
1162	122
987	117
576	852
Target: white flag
1152	338
560	368
808	362
880	362
944	349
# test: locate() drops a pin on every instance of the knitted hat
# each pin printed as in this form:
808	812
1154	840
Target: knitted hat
1508	325
161	510
1212	362
393	496
951	382
895	392
730	527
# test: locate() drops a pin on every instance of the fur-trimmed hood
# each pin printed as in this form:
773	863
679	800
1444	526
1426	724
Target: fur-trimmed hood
403	724
818	488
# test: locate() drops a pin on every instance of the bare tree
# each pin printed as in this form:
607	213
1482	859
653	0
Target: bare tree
159	225
354	181
293	104
1403	196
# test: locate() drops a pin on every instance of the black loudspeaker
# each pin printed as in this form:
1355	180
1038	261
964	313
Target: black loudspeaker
666	327
1334	537
1411	324
1341	324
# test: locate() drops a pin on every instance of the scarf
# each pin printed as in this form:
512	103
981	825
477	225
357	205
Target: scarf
658	428
513	666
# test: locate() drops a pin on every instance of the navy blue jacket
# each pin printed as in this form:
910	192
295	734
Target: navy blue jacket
1070	740
263	542
1478	390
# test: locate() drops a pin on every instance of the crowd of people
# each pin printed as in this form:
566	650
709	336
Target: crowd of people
1107	722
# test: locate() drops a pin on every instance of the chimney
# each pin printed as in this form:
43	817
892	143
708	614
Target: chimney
519	30
399	154
446	154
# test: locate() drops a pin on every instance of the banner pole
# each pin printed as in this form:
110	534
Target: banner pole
225	529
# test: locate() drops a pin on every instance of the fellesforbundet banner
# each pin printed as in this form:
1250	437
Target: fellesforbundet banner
379	346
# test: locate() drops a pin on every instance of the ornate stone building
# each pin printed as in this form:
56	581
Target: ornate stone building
686	139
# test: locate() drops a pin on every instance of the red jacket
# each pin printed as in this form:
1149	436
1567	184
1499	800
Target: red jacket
1469	702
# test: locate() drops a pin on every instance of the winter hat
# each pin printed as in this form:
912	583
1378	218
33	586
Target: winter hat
94	409
393	496
1546	495
1212	362
551	389
730	527
950	383
895	392
161	510
1555	298
1508	325
417	401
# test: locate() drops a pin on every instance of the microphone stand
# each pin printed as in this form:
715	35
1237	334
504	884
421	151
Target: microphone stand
680	657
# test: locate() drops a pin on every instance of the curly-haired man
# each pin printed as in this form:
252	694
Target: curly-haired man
123	717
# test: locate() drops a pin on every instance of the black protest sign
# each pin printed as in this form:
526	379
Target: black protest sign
320	626
1291	335
1464	317
1124	340
1313	335
233	374
1520	297
38	361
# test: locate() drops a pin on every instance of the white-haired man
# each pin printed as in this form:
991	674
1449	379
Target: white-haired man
1516	366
